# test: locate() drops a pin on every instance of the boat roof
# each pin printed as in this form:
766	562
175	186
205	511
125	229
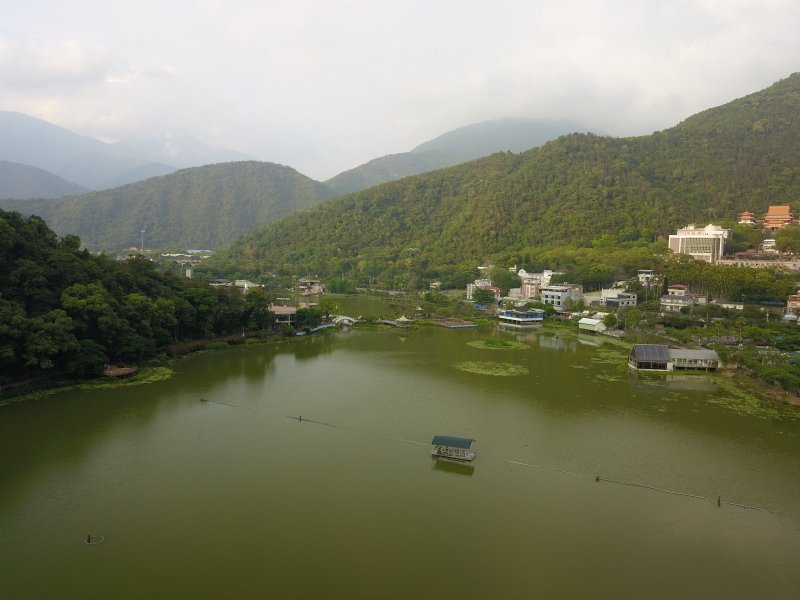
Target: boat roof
449	440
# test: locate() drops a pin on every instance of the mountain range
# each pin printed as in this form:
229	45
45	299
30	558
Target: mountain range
171	206
578	190
94	164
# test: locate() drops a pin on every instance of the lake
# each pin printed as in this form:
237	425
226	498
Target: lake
204	486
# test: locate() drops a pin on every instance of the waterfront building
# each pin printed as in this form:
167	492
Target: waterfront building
589	325
529	316
659	357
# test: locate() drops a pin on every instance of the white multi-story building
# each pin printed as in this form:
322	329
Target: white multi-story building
558	295
707	244
646	277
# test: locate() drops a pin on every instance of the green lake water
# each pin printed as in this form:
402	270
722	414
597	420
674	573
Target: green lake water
203	488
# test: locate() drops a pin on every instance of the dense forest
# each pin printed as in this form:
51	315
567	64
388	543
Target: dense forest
202	207
65	311
579	191
451	148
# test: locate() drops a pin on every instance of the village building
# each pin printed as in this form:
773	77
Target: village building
591	326
777	217
484	284
559	295
769	246
310	286
793	304
659	357
678	289
730	305
477	284
284	314
618	299
243	285
706	244
675	302
646	277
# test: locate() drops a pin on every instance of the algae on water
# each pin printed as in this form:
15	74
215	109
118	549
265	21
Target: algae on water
497	369
498	344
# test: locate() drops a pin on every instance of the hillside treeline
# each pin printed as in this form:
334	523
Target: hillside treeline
579	190
65	311
202	207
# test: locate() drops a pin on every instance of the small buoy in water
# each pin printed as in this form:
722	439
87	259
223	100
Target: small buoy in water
597	478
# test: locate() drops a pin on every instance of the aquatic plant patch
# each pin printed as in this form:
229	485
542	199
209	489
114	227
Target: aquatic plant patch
497	369
498	344
744	403
145	375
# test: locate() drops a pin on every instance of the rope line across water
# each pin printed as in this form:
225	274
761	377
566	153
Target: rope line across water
596	478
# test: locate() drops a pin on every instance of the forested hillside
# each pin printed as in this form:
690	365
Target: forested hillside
579	190
65	311
451	148
202	207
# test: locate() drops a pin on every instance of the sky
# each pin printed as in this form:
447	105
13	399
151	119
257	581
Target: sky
324	86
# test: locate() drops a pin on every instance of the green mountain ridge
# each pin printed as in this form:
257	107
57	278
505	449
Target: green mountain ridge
451	148
577	189
200	207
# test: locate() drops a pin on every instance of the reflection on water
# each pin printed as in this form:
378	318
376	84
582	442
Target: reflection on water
697	383
448	466
557	342
648	382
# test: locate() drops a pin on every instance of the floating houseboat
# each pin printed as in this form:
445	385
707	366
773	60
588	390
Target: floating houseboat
452	448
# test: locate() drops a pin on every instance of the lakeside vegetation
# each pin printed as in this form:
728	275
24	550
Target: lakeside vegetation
67	313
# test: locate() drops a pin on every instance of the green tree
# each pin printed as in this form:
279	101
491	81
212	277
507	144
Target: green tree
483	296
787	239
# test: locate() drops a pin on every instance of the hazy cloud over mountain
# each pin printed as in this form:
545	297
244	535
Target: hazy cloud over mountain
324	86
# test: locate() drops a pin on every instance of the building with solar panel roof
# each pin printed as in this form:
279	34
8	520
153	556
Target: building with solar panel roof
659	357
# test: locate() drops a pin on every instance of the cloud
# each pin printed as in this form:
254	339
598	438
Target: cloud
324	86
39	64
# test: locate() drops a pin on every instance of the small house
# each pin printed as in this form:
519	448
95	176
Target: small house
592	326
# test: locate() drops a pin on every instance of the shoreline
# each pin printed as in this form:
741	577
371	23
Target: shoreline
155	368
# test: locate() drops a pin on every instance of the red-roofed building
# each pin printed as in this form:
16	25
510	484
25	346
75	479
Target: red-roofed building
747	218
777	217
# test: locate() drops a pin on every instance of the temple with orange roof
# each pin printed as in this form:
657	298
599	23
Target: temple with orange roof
777	217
